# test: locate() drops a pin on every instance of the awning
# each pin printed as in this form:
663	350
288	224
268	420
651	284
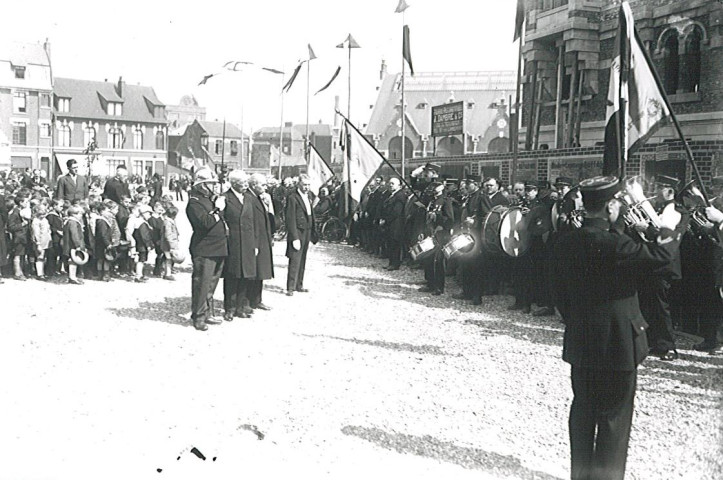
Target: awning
21	162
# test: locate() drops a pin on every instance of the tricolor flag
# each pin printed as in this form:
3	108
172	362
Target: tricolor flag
406	51
401	7
636	105
363	161
318	170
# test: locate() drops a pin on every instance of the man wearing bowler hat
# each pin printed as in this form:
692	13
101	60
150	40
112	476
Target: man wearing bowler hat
597	272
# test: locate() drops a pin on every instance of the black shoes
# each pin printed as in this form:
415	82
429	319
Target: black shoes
289	293
302	290
544	312
425	289
214	321
200	326
261	306
228	317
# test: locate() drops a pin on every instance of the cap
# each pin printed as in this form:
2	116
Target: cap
563	182
531	184
204	175
473	178
433	167
717	181
667	181
599	189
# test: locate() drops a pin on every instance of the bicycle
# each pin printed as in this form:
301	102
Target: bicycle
330	229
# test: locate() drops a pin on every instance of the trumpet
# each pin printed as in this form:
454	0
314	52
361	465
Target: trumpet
639	208
699	224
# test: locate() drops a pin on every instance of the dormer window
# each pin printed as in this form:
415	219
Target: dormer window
422	105
115	108
63	104
19	72
470	104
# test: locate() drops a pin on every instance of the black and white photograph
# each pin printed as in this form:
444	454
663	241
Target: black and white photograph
336	239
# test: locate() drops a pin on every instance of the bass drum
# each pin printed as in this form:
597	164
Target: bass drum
460	244
505	232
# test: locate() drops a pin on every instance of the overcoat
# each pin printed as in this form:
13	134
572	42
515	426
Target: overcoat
242	238
262	231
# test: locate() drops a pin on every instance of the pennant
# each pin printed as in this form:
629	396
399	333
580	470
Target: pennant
636	105
401	7
272	70
406	51
288	85
312	56
235	66
206	78
333	77
349	40
318	170
364	161
519	19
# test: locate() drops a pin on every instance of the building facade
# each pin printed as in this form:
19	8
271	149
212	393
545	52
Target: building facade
215	144
181	115
26	85
265	153
103	125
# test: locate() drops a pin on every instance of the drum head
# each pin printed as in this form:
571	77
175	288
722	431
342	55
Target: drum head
514	237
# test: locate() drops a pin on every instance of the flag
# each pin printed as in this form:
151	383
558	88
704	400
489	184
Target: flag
235	66
312	56
333	77
364	160
318	170
288	85
206	78
401	7
519	19
406	52
272	70
636	105
349	40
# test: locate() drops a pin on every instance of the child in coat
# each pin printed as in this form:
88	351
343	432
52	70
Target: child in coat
169	239
143	240
41	238
55	219
156	223
19	229
104	240
73	238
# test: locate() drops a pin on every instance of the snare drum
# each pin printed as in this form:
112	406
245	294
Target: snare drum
505	232
460	244
423	249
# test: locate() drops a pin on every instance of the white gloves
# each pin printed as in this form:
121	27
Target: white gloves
296	244
220	202
714	215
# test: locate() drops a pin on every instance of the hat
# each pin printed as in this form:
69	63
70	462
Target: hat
599	189
143	208
79	257
177	256
563	182
204	175
667	181
717	182
531	184
473	178
111	254
432	167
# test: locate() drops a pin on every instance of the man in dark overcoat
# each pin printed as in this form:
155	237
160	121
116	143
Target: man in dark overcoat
264	242
240	264
117	187
393	222
300	230
597	272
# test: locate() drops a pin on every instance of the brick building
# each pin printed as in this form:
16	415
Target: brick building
26	85
204	142
265	152
126	124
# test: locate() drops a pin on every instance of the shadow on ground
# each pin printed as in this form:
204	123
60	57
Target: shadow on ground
427	446
401	347
171	310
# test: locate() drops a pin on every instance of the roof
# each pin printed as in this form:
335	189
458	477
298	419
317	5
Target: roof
19	53
215	129
423	91
297	131
87	99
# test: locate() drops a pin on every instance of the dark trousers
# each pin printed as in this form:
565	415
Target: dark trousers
254	289
234	295
394	247
711	312
297	263
600	418
434	270
653	294
204	279
522	279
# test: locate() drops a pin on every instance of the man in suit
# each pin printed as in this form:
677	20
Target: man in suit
300	230
117	187
208	246
71	186
392	222
597	271
489	268
240	264
264	242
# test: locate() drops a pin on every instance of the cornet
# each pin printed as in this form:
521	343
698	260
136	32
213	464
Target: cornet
639	208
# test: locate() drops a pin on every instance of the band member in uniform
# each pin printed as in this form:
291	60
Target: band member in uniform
523	269
440	218
470	222
392	222
655	288
597	271
490	266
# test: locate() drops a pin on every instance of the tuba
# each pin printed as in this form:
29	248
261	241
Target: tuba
639	208
695	202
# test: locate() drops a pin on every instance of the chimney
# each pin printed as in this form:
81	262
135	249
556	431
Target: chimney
46	47
288	124
383	70
119	87
336	109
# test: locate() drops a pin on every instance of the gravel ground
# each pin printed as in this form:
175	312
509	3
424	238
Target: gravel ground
363	377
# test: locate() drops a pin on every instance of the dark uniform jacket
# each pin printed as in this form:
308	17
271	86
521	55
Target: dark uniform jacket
440	218
393	214
114	189
69	188
242	238
672	270
298	222
487	203
596	271
209	229
262	228
18	228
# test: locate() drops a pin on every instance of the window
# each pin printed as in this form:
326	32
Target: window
204	141
670	63
45	100
138	139
219	147
19	102
138	167
63	104
20	133
234	148
115	108
691	62
88	136
160	140
45	130
20	72
113	163
63	136
544	5
115	138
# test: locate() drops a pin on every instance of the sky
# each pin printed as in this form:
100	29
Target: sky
172	45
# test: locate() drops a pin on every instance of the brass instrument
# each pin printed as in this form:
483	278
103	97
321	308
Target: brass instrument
699	224
639	208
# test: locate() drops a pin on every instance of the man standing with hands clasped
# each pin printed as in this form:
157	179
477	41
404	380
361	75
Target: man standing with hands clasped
300	230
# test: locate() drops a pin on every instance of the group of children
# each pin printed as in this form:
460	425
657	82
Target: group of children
91	237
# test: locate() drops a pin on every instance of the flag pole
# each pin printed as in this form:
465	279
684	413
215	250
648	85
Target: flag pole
306	141
281	126
515	129
403	107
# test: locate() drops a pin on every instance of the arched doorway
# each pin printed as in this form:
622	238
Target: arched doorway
395	148
450	146
499	145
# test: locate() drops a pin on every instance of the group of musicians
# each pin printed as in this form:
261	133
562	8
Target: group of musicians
427	214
